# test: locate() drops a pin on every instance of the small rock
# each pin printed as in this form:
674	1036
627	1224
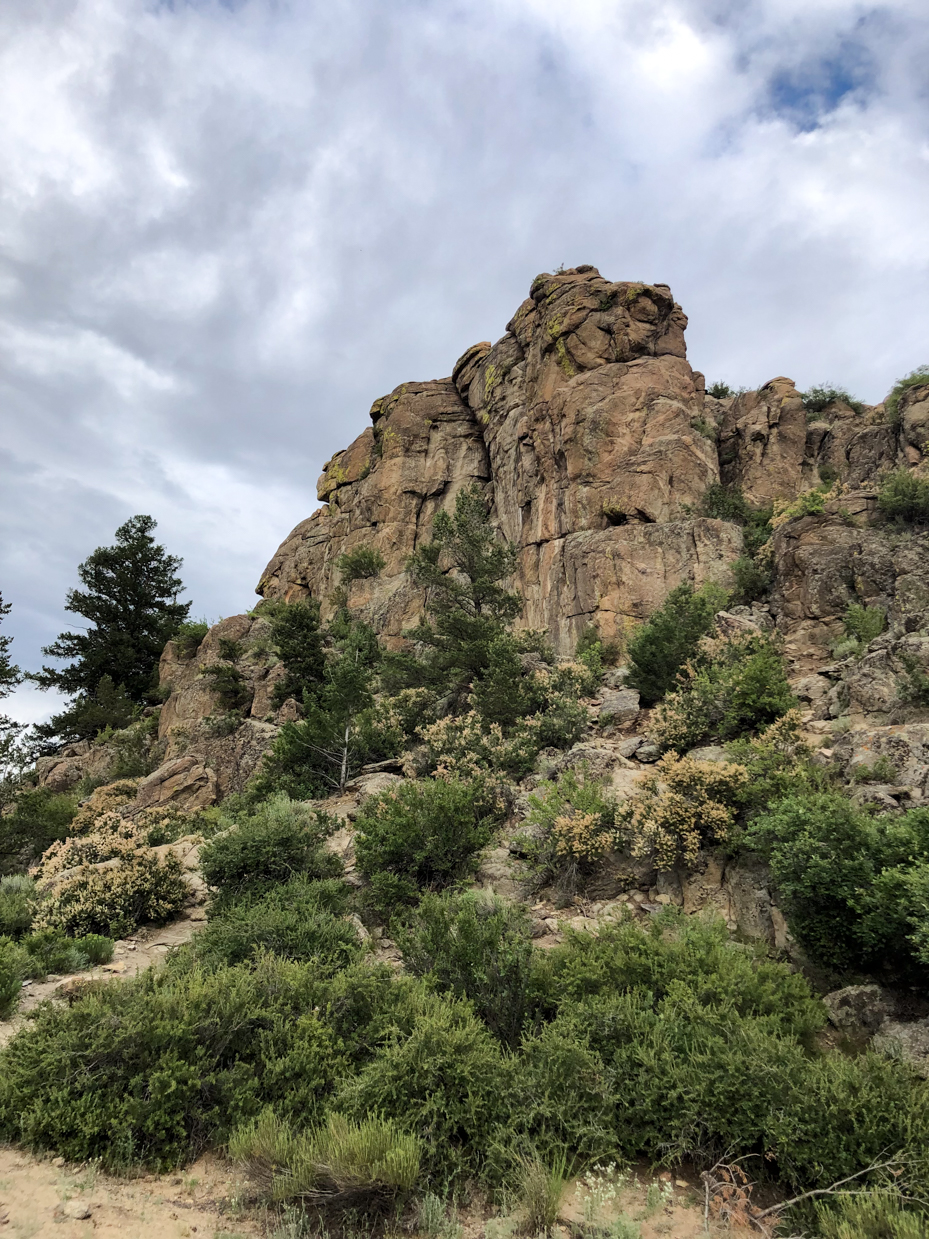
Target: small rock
629	747
709	752
681	1183
75	1209
58	1162
648	753
909	1042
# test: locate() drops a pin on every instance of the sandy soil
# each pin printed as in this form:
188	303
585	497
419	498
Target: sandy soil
42	1200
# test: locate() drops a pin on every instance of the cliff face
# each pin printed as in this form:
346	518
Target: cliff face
595	442
579	422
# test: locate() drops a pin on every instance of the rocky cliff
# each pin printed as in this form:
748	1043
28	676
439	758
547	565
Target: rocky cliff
595	441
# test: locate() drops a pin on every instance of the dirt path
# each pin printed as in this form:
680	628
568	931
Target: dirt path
148	945
42	1200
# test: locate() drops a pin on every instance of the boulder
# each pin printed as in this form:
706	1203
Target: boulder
907	1042
859	1010
619	706
184	783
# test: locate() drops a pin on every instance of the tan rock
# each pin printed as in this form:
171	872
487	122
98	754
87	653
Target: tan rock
184	783
763	443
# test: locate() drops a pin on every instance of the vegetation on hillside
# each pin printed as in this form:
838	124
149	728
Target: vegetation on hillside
350	1088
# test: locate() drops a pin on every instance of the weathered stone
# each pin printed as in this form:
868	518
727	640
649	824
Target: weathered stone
619	706
184	783
762	442
858	1009
648	753
628	748
907	1042
709	752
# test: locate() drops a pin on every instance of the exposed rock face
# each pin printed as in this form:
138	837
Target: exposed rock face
580	422
763	442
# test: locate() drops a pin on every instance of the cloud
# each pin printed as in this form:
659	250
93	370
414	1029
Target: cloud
225	228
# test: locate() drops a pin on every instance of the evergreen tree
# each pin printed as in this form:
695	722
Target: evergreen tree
296	633
467	607
131	601
10	677
339	732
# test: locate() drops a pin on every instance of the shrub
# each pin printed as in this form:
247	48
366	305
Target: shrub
293	921
914	687
12	974
878	1214
778	764
422	835
818	399
362	563
189	636
848	880
904	498
665	642
679	807
279	840
752	579
168	1062
731	686
50	951
446	1082
864	623
727	503
720	391
541	1191
114	901
916	378
98	950
882	770
359	1164
39	817
17	905
475	946
573	824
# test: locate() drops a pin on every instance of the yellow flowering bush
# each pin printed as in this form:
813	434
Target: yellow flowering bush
103	800
682	804
139	887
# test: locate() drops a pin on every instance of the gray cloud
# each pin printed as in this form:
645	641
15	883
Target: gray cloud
226	228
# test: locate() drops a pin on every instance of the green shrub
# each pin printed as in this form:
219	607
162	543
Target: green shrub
168	1062
294	921
541	1192
279	840
361	1165
720	391
727	503
732	685
864	623
446	1082
665	642
846	880
50	951
189	637
475	946
778	764
422	835
878	1214
882	770
12	975
39	817
17	905
114	901
904	498
914	687
752	579
572	824
362	563
818	399
916	378
96	948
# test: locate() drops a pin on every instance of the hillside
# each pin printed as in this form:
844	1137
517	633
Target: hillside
561	805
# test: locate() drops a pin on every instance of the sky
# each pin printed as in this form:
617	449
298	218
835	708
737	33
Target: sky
227	226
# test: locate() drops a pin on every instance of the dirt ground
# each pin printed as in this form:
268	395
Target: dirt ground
46	1199
42	1200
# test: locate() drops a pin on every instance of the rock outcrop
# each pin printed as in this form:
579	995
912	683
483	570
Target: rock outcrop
585	425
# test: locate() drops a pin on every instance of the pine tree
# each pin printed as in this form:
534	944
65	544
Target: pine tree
131	601
467	607
10	677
